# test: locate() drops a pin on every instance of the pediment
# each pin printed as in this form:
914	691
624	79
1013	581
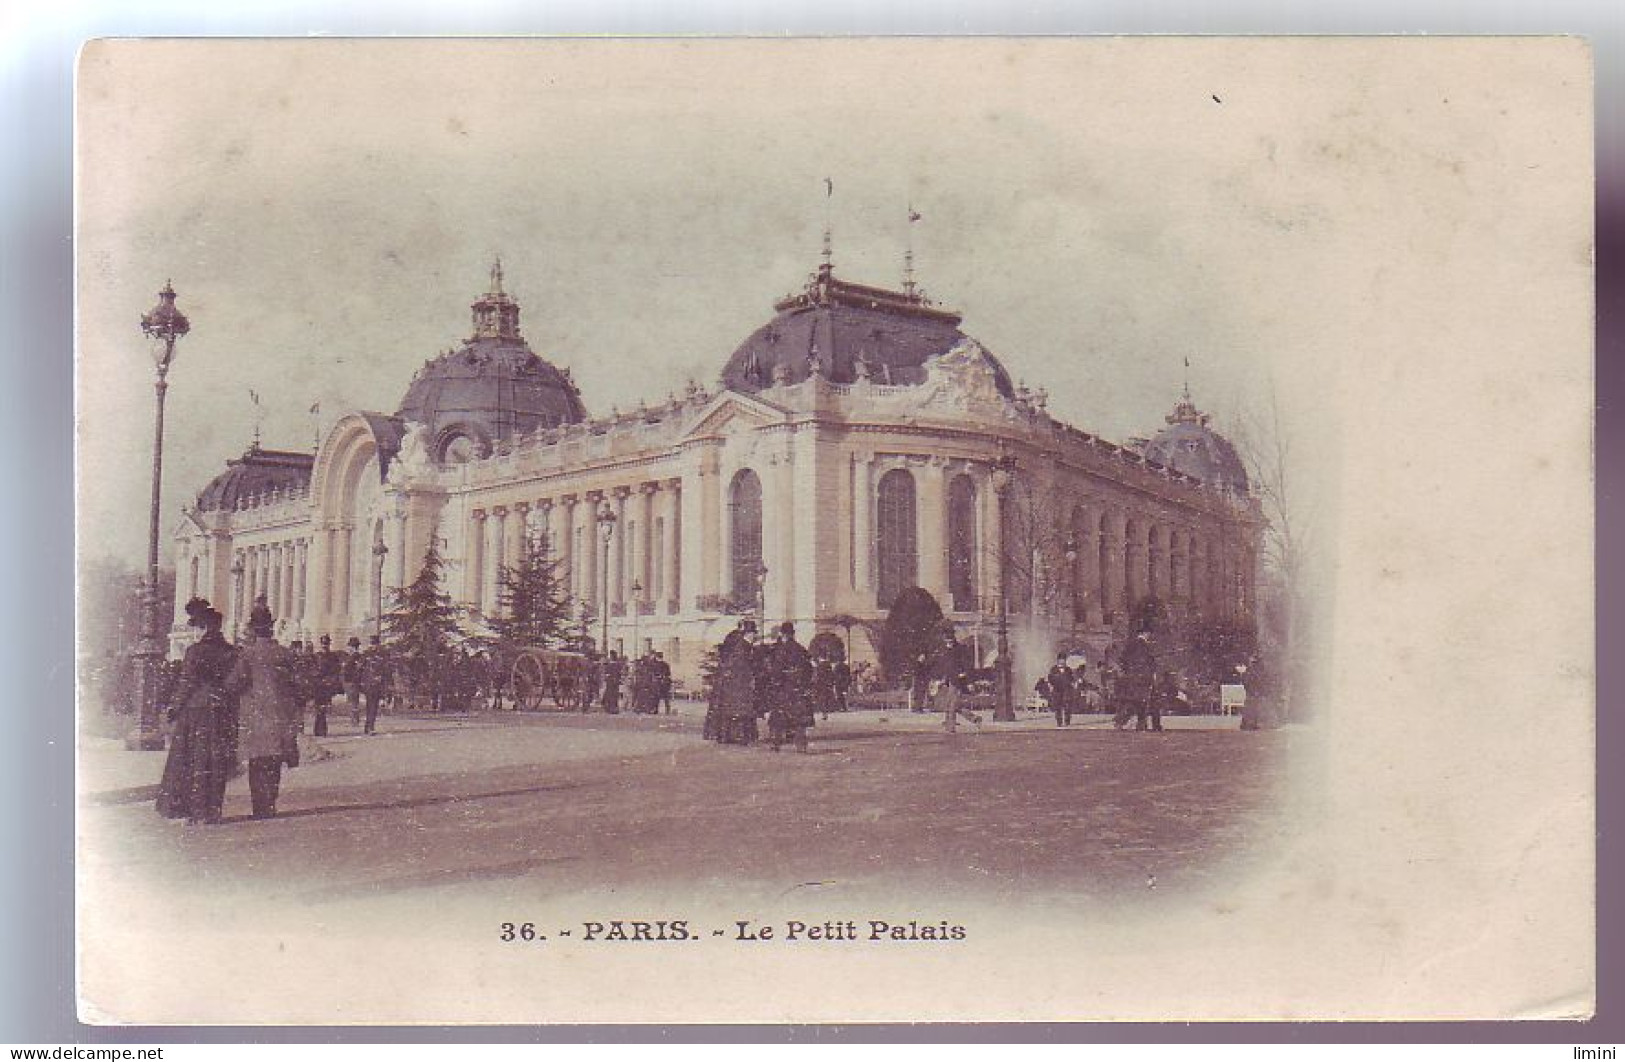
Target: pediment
188	524
734	412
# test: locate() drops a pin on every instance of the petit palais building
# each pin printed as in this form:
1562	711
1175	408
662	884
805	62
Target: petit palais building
856	444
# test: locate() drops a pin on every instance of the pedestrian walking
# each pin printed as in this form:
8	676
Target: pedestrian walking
1136	675
788	690
329	681
1056	689
735	688
375	680
350	672
951	677
200	750
261	679
662	677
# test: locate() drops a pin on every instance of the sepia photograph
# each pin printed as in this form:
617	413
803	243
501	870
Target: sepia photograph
662	531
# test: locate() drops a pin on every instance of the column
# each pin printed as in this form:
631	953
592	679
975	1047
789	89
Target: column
648	559
671	586
301	582
541	524
496	528
397	550
1157	563
474	574
1179	573
519	532
592	543
1116	565
863	511
346	573
618	548
990	536
565	543
699	509
931	523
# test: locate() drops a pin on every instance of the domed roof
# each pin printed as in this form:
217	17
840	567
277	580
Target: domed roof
493	387
1188	445
849	330
258	472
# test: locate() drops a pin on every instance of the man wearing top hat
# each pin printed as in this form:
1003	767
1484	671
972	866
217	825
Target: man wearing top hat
329	680
350	671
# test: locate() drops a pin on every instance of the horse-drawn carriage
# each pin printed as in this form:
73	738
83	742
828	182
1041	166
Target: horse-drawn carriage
537	675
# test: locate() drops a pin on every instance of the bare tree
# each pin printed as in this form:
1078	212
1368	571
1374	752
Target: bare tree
1265	442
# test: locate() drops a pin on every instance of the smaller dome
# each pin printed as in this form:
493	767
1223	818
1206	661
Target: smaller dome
258	472
1189	446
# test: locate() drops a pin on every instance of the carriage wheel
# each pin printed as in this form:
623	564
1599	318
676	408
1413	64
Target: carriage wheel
527	683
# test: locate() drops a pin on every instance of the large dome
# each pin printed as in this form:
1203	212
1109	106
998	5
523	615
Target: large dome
492	388
850	330
1188	445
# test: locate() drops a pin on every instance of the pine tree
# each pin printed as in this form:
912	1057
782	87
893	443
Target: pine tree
532	606
422	621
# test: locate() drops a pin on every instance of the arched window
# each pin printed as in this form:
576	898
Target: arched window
962	544
1080	542
745	546
898	553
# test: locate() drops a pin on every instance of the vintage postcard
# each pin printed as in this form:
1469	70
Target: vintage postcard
834	530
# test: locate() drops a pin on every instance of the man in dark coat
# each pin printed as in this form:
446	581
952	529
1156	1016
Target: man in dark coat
1137	669
375	678
662	674
350	672
1058	691
788	690
329	681
614	675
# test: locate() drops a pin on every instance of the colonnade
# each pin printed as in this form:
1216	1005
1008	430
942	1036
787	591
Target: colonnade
643	545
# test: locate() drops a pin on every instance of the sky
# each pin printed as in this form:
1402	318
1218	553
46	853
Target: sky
1099	211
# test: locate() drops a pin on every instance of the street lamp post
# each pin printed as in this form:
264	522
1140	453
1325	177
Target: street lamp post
163	325
236	594
606	528
637	609
760	602
379	552
1004	710
1069	549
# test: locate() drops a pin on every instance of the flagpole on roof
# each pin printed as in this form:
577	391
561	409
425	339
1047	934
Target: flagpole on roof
908	253
829	225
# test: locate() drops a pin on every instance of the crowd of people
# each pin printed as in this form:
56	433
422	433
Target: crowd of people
775	680
228	704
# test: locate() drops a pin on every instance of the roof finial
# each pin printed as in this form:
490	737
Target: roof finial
908	253
829	226
496	275
1187	379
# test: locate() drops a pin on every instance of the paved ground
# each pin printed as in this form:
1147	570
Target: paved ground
575	802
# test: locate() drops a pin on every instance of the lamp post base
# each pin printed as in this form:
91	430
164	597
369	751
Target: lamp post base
146	735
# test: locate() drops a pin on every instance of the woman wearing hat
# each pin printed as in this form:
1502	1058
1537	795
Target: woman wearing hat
262	680
200	752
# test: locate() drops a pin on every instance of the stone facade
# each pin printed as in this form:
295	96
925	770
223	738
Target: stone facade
861	485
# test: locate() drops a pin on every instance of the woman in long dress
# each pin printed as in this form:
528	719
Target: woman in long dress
261	679
201	750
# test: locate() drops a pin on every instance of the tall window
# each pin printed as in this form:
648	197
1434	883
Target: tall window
962	544
1082	541
898	552
745	507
